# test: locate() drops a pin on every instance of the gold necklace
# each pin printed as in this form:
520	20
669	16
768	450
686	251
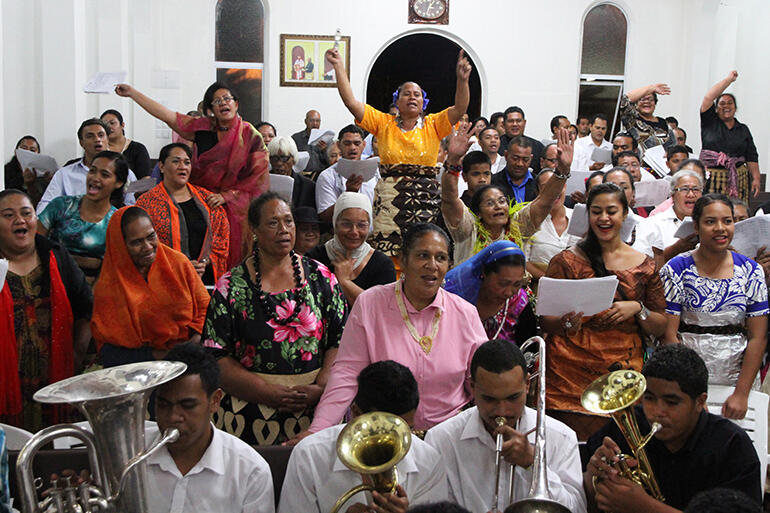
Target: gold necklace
425	341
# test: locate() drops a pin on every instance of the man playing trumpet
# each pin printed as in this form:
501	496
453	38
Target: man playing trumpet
693	451
467	442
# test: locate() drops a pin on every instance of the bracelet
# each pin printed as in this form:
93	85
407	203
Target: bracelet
453	170
561	176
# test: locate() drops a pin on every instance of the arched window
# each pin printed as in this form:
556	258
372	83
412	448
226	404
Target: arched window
603	63
239	53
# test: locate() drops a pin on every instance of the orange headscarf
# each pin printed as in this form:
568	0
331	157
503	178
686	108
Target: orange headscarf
160	312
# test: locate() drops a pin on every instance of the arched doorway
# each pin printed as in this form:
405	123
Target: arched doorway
429	60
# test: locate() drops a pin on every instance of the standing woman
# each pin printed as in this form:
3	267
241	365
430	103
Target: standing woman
582	350
637	113
716	303
45	306
230	159
275	323
183	218
728	149
408	145
79	223
134	152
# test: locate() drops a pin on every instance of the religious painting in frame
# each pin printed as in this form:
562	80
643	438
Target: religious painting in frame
303	63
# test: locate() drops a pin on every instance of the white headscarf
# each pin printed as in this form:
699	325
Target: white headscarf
334	247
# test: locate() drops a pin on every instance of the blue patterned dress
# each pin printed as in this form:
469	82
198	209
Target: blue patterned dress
715	303
62	219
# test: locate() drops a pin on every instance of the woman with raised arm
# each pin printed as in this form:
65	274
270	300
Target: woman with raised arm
727	147
408	145
230	158
637	113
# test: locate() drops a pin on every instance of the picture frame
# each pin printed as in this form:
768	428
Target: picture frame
303	63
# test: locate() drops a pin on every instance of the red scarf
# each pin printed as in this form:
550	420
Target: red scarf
61	363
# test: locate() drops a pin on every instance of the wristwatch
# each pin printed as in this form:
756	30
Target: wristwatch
644	313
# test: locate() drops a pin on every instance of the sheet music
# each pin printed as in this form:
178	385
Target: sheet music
282	185
578	223
303	158
751	234
590	296
103	83
685	229
366	168
651	193
577	181
39	162
603	155
317	135
655	157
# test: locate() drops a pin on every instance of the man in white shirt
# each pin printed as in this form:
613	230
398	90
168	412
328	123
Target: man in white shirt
316	478
330	184
71	180
206	470
466	442
489	141
585	146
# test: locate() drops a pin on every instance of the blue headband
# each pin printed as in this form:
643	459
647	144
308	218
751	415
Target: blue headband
425	99
465	279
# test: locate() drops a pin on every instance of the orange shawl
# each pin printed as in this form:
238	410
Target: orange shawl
160	312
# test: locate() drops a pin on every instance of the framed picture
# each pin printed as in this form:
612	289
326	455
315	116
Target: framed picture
303	63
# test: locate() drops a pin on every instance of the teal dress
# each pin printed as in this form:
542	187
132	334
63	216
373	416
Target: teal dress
62	219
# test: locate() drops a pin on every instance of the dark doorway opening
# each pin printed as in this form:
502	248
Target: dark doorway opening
428	59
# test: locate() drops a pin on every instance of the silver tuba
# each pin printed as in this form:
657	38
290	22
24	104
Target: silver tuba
114	402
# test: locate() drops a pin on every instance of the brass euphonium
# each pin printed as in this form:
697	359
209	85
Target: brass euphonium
114	402
615	394
371	445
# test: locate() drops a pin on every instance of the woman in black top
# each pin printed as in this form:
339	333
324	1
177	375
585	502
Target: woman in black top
727	147
135	152
356	264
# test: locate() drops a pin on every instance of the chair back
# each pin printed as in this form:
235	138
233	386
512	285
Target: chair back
755	422
15	437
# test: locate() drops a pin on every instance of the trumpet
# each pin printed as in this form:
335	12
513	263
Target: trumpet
615	394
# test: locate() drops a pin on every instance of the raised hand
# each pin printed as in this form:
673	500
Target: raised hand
333	56
459	141
564	149
732	76
662	89
124	90
463	66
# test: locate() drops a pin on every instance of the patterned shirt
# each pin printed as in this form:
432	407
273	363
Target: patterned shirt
62	219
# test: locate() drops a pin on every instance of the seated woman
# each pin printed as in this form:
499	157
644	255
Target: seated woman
356	264
134	152
79	223
416	323
716	303
275	323
283	156
45	304
26	180
493	280
183	218
148	297
581	350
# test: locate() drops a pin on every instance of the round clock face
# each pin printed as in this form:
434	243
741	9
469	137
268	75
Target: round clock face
429	9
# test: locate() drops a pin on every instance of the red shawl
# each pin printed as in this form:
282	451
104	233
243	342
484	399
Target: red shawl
236	168
61	363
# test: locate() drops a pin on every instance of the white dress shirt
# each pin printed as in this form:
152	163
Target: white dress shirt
546	242
641	235
316	478
71	181
468	452
231	477
330	184
584	148
498	164
657	231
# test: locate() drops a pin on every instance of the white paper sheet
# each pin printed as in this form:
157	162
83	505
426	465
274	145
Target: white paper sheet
655	157
590	296
282	185
602	155
303	158
578	223
751	234
577	181
37	161
366	168
685	229
104	83
141	185
316	135
3	271
651	193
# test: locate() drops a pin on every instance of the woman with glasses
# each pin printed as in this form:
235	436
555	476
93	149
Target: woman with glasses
716	303
637	114
357	265
728	149
491	217
229	158
283	157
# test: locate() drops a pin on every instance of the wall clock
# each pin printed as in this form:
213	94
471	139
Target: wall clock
429	11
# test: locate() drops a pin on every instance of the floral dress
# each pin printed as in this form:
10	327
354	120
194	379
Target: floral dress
256	333
515	321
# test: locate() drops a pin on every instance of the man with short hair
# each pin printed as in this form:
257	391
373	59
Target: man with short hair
694	451
673	123
550	157
585	146
630	161
517	178
623	141
466	442
476	173
330	184
675	155
315	476
557	122
70	180
206	469
681	138
583	126
514	123
318	158
489	141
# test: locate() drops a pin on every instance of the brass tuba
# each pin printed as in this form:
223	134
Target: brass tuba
372	444
615	394
114	402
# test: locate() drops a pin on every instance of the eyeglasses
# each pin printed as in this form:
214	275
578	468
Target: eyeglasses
220	101
687	190
348	225
502	201
555	159
280	158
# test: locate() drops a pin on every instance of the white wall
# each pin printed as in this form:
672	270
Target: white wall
690	44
